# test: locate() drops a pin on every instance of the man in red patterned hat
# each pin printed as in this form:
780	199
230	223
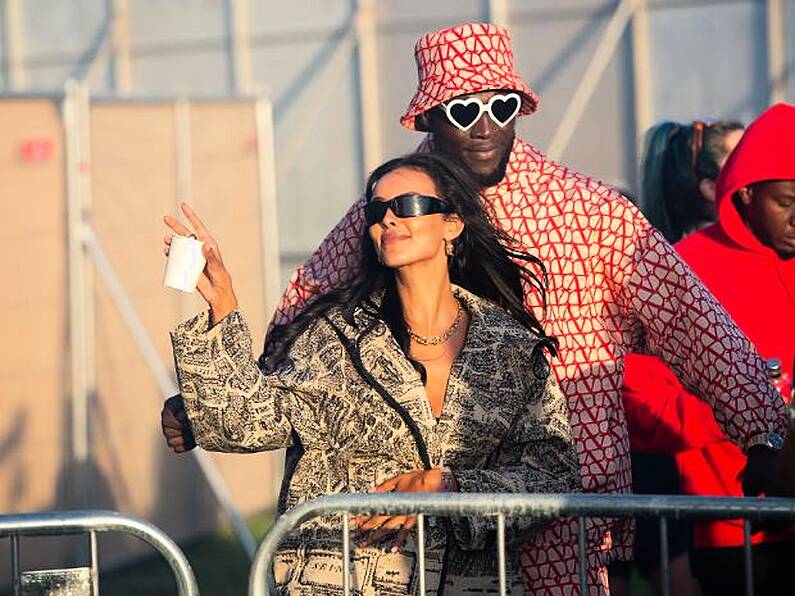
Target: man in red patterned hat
616	286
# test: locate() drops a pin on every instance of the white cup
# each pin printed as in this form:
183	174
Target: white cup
185	263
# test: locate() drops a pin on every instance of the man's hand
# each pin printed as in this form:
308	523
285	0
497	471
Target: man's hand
175	425
761	474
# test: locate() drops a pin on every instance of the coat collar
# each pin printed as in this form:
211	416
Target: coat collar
383	359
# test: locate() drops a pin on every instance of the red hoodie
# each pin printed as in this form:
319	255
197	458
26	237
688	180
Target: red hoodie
757	288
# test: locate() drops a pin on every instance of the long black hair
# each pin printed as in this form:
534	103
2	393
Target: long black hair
485	261
676	158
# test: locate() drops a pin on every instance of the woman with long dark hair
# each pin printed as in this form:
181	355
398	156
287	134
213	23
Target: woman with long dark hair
426	374
680	165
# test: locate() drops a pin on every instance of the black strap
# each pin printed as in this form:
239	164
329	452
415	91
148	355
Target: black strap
422	448
356	358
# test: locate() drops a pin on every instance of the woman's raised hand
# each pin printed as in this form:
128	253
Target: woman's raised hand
215	283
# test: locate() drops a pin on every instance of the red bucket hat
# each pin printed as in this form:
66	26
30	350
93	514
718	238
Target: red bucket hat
465	59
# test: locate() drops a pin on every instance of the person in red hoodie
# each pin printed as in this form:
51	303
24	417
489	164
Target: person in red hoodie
747	260
680	165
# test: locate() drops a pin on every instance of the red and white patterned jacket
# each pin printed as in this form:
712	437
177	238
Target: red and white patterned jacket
615	286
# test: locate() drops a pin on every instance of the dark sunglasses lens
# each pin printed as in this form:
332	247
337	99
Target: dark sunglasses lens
464	115
374	212
503	109
403	206
410	206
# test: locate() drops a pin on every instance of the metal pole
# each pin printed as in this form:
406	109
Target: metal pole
120	37
501	570
748	558
184	171
642	75
421	550
86	194
15	46
269	224
80	287
15	563
498	12
241	46
92	539
346	555
182	152
593	74
665	561
332	72
776	51
369	85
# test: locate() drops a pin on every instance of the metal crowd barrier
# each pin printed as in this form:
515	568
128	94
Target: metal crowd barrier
261	580
85	580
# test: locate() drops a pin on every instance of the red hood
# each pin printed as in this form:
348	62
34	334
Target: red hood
766	152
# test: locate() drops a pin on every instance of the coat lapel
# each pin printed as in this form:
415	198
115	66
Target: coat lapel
384	359
472	408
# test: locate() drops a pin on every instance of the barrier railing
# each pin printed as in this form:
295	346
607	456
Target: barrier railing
581	507
60	523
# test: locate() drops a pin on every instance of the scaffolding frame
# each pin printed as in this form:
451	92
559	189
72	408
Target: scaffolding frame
86	258
114	44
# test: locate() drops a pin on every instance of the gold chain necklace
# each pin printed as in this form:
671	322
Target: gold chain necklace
438	339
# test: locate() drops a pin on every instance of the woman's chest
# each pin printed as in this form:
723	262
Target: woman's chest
463	411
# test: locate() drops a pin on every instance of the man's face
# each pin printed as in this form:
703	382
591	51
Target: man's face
769	210
484	148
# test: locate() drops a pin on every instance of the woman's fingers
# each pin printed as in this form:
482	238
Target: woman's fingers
175	225
197	224
391	525
199	230
364	525
403	534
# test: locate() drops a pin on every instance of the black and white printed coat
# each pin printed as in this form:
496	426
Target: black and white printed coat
352	412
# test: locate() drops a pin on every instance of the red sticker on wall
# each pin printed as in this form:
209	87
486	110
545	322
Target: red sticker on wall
40	149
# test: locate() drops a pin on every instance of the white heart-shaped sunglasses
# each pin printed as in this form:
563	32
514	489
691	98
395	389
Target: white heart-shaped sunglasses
464	113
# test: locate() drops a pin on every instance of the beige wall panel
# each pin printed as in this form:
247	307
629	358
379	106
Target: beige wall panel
33	364
134	183
133	175
225	190
134	168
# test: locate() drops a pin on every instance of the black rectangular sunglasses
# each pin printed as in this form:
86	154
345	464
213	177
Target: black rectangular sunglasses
407	205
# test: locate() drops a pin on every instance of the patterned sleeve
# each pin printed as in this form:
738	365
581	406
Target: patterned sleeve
536	456
232	406
682	322
334	263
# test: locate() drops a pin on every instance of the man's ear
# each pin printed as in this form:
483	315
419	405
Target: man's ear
746	195
422	122
707	188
